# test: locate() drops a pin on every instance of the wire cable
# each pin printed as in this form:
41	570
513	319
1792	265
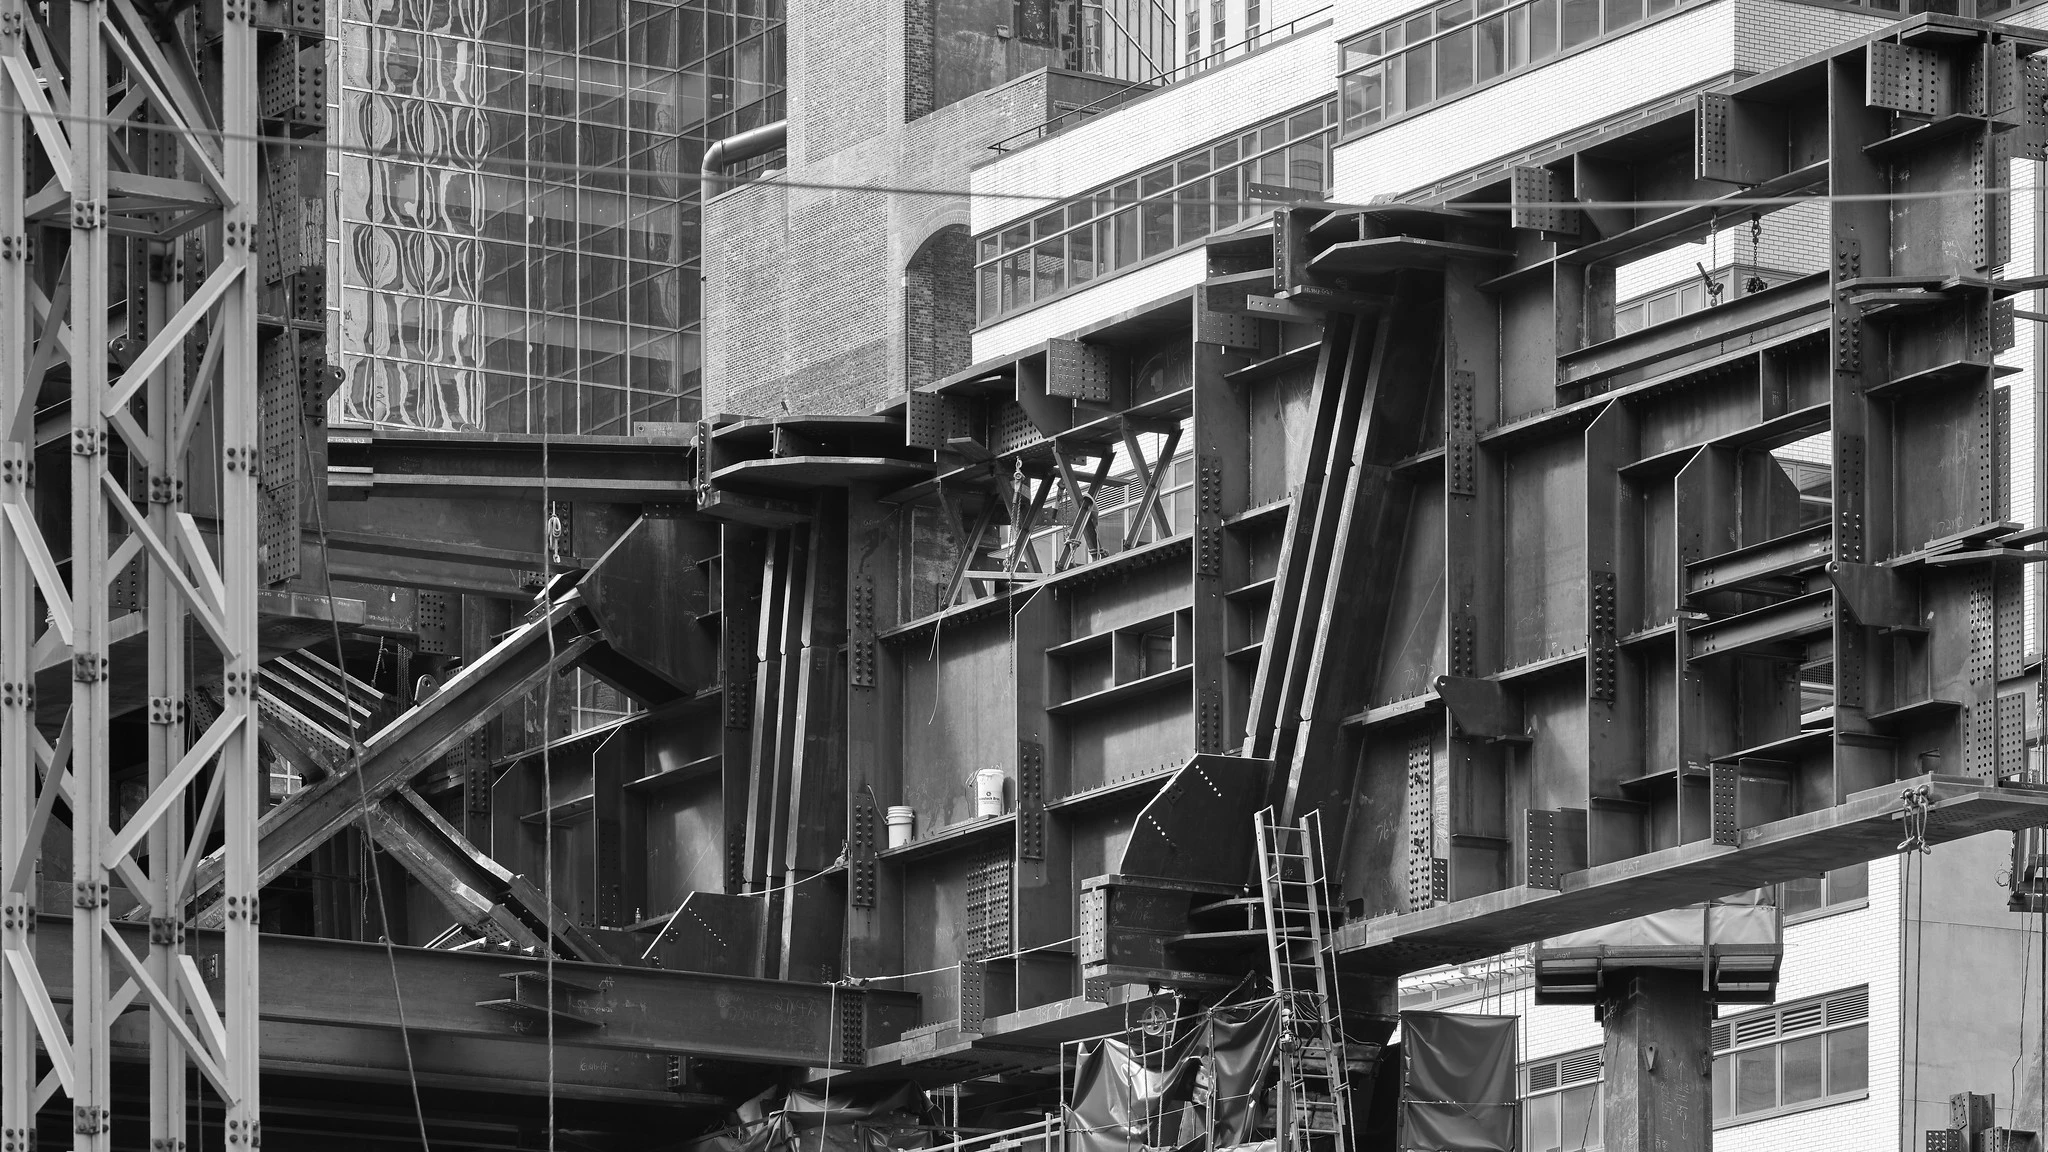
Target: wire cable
550	531
484	166
355	754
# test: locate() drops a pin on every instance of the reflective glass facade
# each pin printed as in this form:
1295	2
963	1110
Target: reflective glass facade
518	216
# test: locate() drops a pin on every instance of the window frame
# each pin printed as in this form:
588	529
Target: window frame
1582	1058
1154	195
1396	73
1829	906
1853	1006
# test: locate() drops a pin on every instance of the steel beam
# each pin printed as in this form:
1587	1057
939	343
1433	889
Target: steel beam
341	984
405	747
466	464
1867	826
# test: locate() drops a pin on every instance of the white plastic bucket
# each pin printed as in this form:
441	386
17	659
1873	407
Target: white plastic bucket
901	821
988	792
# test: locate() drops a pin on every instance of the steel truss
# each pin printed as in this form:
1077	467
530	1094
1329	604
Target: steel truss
143	126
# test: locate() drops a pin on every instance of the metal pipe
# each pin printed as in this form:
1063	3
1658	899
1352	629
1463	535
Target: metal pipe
733	149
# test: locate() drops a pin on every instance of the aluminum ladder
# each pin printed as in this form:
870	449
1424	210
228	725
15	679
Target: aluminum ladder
1314	1095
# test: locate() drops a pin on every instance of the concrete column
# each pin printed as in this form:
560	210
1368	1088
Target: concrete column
1659	1073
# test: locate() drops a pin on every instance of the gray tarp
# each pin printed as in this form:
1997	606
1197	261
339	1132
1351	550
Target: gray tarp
1681	930
1244	1040
1458	1086
1121	1101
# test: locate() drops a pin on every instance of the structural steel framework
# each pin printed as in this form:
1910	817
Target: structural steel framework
1384	521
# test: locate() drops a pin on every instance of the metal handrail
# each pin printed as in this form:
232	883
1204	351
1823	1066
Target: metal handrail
1124	94
1009	1138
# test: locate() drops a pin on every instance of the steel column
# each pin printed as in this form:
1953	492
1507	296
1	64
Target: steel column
21	990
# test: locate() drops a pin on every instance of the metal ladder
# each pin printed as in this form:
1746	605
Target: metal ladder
1314	1095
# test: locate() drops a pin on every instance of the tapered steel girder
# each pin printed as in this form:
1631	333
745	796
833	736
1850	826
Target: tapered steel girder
461	998
553	641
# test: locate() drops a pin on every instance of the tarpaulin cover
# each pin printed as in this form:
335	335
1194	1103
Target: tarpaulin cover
1458	1088
1681	929
1244	1040
810	1107
870	1118
1121	1101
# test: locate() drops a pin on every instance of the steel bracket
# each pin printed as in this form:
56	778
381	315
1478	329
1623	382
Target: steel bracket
166	710
88	668
242	908
18	694
166	930
89	894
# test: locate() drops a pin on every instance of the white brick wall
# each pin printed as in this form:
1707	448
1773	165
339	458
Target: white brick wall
1635	68
1155	127
1632	69
1770	35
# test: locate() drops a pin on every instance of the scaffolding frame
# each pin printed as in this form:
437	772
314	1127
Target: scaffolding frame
148	124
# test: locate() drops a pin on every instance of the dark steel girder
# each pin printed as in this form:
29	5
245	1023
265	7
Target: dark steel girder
319	990
406	746
605	468
1867	826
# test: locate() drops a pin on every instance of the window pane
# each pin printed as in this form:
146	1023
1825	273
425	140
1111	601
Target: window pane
1848	884
1849	1060
1518	37
1540	1122
1802	895
1579	1118
1123	245
1454	62
1724	1086
1542	29
1756	1080
1361	99
1621	13
1581	22
1453	14
1081	253
1194	208
1158	227
1492	47
1801	1062
1228	197
1421	76
1049	265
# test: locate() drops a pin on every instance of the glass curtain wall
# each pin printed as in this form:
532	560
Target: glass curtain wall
518	208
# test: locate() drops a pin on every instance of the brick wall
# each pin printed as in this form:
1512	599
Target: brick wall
804	288
1770	35
919	59
845	70
938	303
